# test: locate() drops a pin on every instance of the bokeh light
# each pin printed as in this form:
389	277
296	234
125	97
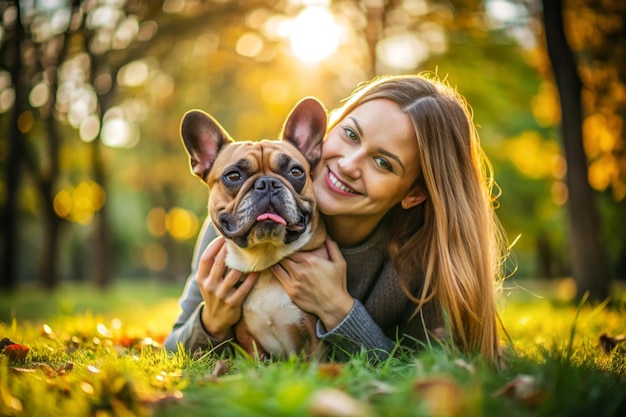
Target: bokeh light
133	74
559	193
89	128
529	152
79	204
403	52
314	34
25	121
39	95
7	98
118	132
181	224
249	45
155	221
155	257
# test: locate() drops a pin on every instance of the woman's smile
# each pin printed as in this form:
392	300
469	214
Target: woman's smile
339	186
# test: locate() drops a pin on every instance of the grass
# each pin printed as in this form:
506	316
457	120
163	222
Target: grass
96	353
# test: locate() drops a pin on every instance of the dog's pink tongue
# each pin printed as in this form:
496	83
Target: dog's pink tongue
273	217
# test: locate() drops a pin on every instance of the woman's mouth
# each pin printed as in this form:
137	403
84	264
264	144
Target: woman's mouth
338	186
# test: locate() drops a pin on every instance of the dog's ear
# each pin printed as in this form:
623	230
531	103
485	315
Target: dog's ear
203	137
305	128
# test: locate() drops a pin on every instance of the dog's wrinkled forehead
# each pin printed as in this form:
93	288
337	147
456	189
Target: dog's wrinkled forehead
257	158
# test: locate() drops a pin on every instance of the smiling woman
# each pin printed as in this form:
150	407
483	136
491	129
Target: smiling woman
314	35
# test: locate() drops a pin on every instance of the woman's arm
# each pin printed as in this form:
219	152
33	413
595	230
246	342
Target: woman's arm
357	331
413	330
212	301
316	281
188	329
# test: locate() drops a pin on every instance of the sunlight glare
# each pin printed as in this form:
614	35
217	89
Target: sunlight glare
314	34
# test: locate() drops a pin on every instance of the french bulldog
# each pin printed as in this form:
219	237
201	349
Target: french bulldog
261	200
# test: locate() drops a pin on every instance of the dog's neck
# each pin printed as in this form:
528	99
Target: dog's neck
256	258
263	255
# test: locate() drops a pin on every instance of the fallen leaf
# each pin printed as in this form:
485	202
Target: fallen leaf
331	402
221	367
330	370
465	365
21	371
524	388
87	388
160	399
93	369
380	388
5	342
16	352
48	370
609	343
11	404
46	330
442	395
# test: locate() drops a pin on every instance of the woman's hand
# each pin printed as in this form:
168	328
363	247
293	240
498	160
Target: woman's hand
222	300
316	282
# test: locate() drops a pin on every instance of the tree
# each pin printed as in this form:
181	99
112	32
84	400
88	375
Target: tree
589	261
11	54
35	52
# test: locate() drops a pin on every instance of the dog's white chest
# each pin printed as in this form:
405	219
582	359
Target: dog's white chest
271	315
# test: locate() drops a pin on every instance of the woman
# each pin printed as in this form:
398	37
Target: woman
414	249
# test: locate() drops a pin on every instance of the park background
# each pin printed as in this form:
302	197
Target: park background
95	185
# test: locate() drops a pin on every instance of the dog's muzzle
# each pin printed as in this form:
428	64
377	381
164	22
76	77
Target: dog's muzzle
268	211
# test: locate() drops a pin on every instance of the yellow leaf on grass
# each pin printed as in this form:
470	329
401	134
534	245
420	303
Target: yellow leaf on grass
331	402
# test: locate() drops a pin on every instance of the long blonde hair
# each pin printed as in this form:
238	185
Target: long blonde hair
452	242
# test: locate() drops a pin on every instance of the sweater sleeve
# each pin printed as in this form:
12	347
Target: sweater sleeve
188	330
357	331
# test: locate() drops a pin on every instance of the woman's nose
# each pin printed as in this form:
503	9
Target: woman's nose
349	165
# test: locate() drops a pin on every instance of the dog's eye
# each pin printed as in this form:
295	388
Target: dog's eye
296	172
232	176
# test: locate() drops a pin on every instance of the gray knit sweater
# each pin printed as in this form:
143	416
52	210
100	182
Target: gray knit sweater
381	314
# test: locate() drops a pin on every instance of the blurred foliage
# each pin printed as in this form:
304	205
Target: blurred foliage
129	70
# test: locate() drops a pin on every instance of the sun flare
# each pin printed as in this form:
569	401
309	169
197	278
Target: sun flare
314	34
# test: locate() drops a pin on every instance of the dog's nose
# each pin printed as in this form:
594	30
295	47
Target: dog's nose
267	184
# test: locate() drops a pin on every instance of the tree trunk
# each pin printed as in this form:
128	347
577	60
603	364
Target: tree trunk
10	236
49	263
589	265
52	223
49	173
373	30
103	256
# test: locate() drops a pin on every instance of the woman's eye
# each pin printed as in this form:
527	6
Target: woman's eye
232	176
351	134
383	163
296	172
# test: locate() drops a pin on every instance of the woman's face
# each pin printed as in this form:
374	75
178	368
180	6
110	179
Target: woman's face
369	162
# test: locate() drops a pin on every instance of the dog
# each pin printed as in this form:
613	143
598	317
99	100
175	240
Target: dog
261	200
